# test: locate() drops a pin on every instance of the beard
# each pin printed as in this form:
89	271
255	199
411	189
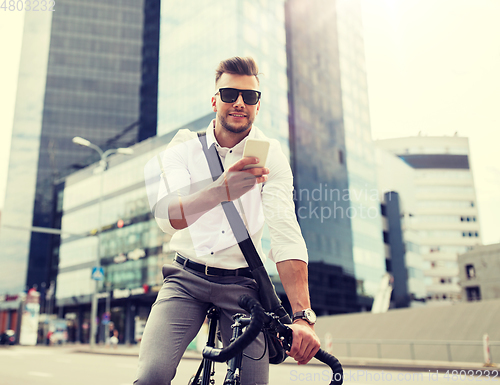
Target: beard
236	129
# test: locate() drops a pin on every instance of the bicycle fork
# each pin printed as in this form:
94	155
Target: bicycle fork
234	364
206	366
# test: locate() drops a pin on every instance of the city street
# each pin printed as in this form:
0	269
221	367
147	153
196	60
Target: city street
62	366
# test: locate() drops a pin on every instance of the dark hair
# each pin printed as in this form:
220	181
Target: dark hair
237	66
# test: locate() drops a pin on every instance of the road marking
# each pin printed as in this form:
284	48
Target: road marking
40	374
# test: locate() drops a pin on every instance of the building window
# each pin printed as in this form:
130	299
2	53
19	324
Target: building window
470	271
386	237
473	293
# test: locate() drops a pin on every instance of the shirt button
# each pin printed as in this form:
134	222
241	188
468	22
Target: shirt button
222	231
212	253
231	151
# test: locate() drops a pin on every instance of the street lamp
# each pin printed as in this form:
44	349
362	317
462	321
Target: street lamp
103	166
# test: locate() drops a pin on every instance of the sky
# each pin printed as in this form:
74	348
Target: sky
432	68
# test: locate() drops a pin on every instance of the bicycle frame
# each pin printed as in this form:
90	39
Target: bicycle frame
233	353
207	367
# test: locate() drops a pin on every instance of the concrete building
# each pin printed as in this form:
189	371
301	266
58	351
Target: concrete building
479	272
445	221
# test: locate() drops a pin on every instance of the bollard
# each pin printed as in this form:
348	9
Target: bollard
329	343
486	350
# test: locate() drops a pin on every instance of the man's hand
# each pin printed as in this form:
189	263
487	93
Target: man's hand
305	342
229	186
235	181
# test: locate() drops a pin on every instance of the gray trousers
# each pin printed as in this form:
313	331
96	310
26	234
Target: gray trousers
179	312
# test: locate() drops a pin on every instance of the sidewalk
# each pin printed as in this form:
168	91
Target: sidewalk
347	362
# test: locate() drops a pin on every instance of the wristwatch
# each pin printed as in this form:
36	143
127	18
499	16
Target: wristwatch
307	314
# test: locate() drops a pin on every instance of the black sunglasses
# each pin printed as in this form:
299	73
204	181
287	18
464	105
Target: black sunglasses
230	95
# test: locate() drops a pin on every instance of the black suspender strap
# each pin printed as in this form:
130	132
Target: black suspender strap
234	218
269	298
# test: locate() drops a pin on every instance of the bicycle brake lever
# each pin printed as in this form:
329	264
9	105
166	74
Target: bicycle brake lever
286	337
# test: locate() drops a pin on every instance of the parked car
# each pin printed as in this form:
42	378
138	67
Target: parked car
8	337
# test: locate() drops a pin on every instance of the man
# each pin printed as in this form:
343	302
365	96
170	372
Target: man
209	267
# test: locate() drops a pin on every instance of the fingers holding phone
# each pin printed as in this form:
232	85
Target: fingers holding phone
254	159
249	170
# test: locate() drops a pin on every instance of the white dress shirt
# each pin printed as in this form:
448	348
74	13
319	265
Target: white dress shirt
210	240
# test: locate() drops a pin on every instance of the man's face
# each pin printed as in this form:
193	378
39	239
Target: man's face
235	117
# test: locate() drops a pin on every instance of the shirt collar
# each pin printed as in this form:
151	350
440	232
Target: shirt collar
238	148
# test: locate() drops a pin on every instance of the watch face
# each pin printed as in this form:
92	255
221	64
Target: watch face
310	315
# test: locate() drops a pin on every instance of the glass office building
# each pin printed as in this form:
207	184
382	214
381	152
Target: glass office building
83	71
366	223
332	154
318	150
132	248
194	38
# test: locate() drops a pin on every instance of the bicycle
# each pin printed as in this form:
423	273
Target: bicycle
258	321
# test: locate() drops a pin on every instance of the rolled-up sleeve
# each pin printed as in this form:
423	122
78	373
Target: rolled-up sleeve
279	210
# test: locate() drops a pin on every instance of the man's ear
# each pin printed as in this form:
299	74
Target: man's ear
258	108
214	104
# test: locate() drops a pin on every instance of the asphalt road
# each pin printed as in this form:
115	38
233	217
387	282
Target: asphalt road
61	366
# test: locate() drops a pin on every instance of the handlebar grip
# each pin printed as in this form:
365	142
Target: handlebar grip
334	364
252	331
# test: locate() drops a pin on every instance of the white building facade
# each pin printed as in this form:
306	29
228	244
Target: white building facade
394	175
446	220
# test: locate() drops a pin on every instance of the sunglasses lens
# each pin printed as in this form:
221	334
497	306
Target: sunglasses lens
250	97
229	95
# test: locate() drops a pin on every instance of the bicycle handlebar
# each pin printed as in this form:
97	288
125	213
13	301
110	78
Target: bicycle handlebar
252	331
334	364
258	317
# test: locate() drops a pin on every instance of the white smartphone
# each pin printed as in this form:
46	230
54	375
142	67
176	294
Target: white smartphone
258	148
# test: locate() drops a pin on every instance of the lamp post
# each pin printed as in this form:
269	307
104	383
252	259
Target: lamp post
103	163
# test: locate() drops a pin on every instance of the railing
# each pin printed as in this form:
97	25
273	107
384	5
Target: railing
411	345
